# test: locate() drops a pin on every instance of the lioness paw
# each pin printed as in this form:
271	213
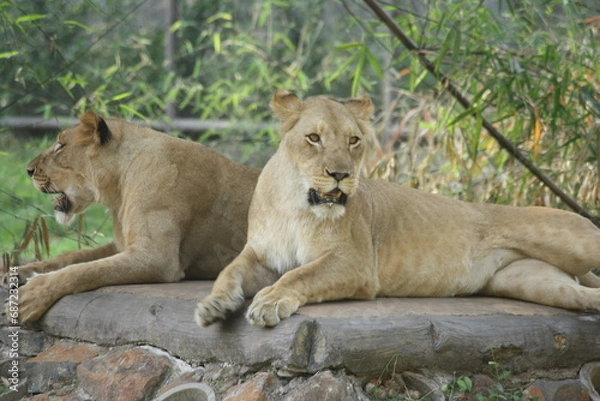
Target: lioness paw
36	297
216	307
16	277
269	308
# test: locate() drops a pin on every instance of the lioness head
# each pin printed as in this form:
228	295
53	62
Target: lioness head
64	168
324	139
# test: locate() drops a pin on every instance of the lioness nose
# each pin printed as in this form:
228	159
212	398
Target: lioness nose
337	176
30	170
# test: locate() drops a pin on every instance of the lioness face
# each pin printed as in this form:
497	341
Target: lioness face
325	142
63	169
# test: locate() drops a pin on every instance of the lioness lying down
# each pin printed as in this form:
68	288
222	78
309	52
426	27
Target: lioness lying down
179	209
316	232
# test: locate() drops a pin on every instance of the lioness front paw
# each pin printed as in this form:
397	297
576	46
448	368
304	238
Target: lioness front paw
16	276
36	297
270	306
216	307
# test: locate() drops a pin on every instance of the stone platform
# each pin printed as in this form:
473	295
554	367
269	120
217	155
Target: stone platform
366	338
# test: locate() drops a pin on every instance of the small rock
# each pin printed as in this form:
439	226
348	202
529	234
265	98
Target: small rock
424	385
533	393
127	375
67	351
324	386
573	391
15	394
564	390
31	342
222	376
56	367
255	389
590	378
481	387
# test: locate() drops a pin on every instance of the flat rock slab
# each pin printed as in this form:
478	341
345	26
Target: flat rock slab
365	337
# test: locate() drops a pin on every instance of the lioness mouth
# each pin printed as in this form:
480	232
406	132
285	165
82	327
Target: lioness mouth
336	196
62	203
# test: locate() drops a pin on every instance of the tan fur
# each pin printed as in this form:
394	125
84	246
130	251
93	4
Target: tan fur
179	209
388	240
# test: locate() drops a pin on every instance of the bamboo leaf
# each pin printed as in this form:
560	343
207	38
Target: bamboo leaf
78	24
456	44
175	26
218	16
337	73
30	18
351	45
9	54
217	42
120	96
133	111
374	63
358	72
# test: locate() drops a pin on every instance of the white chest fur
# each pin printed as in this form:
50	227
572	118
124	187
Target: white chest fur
284	244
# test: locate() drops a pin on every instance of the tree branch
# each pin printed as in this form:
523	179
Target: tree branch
466	103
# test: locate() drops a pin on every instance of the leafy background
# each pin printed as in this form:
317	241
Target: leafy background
529	66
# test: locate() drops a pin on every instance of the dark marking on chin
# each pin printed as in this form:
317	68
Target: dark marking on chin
336	196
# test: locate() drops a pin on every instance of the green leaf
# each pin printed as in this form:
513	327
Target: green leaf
286	40
464	383
350	45
120	96
78	24
30	18
218	16
374	64
175	27
358	72
133	111
337	73
217	42
456	43
9	54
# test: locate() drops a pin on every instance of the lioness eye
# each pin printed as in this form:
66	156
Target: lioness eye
354	140
59	146
314	138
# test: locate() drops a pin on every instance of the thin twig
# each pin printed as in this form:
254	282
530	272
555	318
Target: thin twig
466	103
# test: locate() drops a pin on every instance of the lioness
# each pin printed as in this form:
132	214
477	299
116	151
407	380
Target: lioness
179	209
316	232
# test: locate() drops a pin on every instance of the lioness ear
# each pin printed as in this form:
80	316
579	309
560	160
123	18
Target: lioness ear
94	124
361	107
285	104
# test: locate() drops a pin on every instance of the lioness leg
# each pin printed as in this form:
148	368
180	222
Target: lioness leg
243	277
562	239
143	266
537	281
323	279
141	262
66	259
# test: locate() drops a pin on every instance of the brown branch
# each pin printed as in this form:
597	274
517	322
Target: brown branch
466	103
